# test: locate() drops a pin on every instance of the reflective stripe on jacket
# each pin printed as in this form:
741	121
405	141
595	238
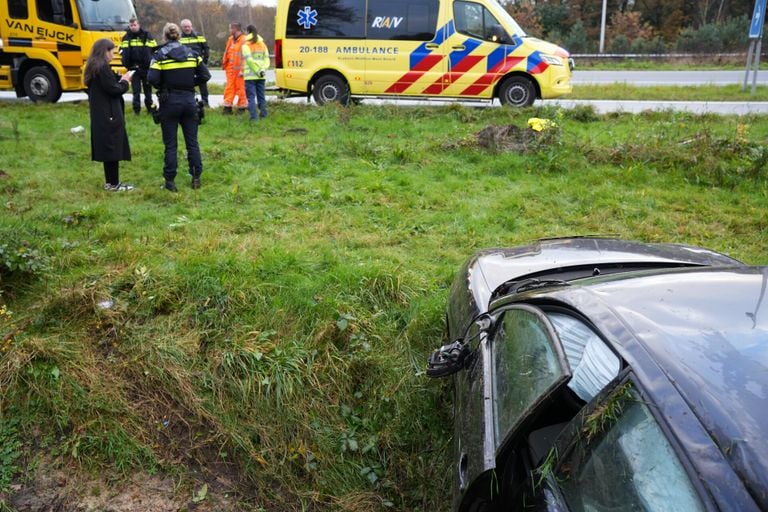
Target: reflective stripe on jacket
232	59
198	44
177	68
136	49
256	57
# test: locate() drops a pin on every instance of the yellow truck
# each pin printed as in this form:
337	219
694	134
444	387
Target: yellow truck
469	49
44	43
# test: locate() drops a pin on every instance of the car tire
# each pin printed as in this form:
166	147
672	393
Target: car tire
517	91
41	85
330	89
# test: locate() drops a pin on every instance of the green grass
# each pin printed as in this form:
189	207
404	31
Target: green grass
620	91
275	324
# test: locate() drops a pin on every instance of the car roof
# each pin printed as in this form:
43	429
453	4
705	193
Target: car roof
707	329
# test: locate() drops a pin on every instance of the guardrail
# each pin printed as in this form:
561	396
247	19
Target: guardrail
654	56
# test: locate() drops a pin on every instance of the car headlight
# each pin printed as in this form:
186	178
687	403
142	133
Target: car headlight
552	60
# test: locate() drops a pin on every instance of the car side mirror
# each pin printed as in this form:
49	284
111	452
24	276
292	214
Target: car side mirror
447	360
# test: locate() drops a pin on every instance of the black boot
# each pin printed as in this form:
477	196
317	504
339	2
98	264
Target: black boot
195	182
170	186
226	111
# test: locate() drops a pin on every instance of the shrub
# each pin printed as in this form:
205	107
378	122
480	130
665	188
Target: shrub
704	40
576	41
651	46
733	33
554	18
619	44
19	256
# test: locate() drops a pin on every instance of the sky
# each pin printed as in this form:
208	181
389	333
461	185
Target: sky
270	3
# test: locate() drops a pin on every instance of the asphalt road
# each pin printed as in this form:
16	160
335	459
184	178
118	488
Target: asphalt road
602	106
627	77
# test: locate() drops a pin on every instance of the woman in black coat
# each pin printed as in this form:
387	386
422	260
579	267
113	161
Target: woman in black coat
109	140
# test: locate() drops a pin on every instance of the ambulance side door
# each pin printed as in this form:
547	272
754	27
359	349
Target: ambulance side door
481	51
405	51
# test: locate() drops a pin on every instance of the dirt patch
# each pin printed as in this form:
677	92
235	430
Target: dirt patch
507	138
63	491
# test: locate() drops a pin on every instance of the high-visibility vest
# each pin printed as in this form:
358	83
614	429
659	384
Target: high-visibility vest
232	60
256	57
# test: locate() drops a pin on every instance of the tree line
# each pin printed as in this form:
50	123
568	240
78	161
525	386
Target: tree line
638	26
210	18
632	26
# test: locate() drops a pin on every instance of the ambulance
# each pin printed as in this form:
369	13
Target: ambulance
335	50
44	43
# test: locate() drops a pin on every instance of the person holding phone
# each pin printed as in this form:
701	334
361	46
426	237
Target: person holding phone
109	139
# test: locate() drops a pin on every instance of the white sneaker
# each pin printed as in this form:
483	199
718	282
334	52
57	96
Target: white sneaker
120	187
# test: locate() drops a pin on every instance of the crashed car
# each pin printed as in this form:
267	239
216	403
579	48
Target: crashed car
595	374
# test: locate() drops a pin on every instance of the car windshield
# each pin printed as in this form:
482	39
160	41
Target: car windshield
105	14
629	466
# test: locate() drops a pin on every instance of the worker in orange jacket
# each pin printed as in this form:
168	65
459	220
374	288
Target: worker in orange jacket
232	63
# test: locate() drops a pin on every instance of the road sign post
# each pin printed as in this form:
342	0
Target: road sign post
755	44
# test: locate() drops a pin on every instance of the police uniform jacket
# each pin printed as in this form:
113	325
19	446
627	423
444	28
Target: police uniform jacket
109	141
198	44
176	68
136	49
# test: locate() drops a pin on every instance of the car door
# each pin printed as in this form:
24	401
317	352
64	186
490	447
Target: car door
518	363
481	51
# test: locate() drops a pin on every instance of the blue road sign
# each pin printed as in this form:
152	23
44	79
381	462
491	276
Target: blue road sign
758	18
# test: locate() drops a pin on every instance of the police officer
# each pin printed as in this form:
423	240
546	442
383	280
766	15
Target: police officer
136	52
175	71
198	44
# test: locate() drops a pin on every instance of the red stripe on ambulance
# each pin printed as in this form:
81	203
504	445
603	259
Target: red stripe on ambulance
453	76
490	78
408	79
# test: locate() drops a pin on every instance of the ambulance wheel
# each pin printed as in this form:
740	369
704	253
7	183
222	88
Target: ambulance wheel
330	89
517	91
41	84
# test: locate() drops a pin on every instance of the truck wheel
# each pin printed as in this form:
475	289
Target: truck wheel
41	84
517	91
329	89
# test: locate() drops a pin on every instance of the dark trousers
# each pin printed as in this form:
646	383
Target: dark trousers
180	109
254	91
112	173
139	82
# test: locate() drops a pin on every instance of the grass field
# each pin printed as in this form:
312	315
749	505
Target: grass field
272	327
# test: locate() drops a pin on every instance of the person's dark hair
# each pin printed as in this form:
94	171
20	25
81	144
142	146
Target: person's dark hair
97	59
252	30
236	25
171	32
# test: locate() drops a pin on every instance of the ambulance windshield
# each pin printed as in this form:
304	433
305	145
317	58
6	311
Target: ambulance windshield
105	14
506	19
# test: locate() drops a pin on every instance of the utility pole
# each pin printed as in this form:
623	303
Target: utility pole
602	26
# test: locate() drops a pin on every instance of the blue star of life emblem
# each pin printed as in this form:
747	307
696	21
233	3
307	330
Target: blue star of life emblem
307	17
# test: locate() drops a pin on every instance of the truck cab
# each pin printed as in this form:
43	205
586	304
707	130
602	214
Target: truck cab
44	44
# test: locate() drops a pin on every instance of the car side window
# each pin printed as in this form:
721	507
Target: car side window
338	19
630	465
528	364
475	20
405	20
